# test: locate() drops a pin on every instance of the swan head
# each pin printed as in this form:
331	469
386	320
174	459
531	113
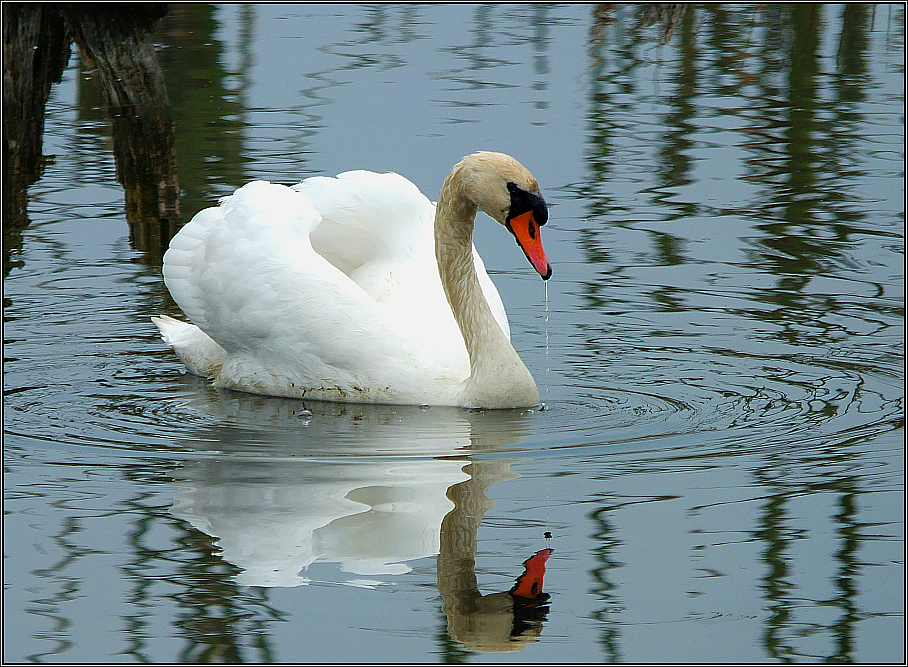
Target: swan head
507	192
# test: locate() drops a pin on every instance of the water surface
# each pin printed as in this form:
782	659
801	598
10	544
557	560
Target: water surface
720	351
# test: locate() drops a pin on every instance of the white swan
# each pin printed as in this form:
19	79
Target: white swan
337	289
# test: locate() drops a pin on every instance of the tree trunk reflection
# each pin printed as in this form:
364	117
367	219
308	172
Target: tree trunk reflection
115	44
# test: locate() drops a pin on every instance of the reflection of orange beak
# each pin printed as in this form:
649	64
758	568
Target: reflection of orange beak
526	230
529	584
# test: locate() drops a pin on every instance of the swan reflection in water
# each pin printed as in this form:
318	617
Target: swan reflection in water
368	487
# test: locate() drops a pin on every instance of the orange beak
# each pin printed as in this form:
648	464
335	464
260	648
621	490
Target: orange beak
529	584
526	230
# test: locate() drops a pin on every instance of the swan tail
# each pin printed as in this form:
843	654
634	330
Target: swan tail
198	352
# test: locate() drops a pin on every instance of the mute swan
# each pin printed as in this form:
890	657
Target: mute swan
337	288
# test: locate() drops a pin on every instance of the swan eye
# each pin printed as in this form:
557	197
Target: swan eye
523	201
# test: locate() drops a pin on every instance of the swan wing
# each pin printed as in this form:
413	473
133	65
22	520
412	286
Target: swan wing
367	215
329	289
379	230
291	322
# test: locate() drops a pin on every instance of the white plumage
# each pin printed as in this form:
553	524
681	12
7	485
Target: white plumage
329	290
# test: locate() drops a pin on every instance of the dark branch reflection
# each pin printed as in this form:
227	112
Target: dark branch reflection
35	53
801	149
115	43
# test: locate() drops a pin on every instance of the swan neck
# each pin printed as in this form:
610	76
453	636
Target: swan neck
454	220
497	374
